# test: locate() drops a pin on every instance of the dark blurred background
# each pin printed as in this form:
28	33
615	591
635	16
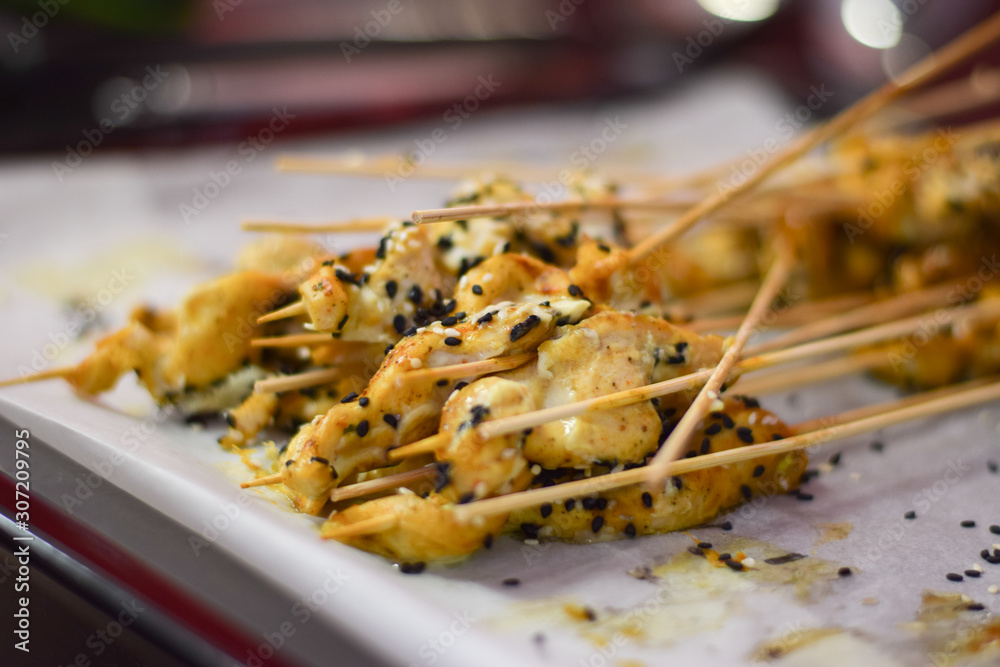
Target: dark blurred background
116	73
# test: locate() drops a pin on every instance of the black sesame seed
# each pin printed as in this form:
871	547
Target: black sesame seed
589	503
350	397
466	497
758	471
745	434
726	525
706	446
412	331
319	459
968	523
530	530
289	462
696	551
363	428
343	321
452	341
391	420
976	606
388	349
910	515
570	504
545	510
364	401
975	574
877	446
844	572
713	429
727	421
562	321
460	385
597	523
485	318
704	545
787	558
992	466
835	459
230	419
519	330
488	541
995	529
441	383
629	530
804	496
725	556
745	490
601	504
678	483
952	576
391	287
477	290
733	564
416	295
399	324
412	568
449	321
575	291
647	499
589	613
511	581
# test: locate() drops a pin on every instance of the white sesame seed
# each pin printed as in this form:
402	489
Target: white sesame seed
508	453
487	278
712	394
416	363
536	469
749	562
450	331
531	542
717	406
438	330
993	589
769	420
752	419
977	567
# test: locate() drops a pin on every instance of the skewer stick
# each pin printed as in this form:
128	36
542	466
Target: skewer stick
291	310
468	369
944	317
284	227
374	524
674	446
297	381
866	315
892	414
426	446
52	373
502	210
293	340
267	480
981	88
919	74
381	484
759	385
793	316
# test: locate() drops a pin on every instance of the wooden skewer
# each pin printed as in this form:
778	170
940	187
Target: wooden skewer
468	369
919	74
291	310
297	381
770	383
674	446
293	340
381	484
50	374
374	524
502	210
981	88
267	480
284	227
911	408
866	411
794	316
426	446
879	311
516	423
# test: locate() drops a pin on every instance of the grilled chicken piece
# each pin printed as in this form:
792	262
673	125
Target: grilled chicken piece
607	353
357	435
207	339
426	529
687	500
